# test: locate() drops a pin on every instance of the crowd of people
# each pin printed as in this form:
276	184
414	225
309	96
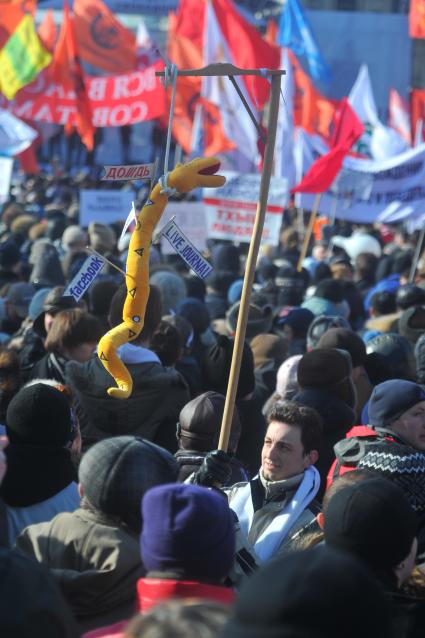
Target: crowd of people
122	518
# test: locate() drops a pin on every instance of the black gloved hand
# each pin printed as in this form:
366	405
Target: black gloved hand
215	469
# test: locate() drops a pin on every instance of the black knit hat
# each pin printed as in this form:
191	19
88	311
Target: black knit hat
39	415
373	520
345	339
217	367
390	399
116	472
316	593
410	295
328	369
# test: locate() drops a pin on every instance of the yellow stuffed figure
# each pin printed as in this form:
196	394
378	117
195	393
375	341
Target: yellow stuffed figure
184	178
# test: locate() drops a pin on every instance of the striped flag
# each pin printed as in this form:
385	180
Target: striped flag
22	54
399	116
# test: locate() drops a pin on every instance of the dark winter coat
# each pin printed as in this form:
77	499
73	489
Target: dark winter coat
95	562
152	410
337	418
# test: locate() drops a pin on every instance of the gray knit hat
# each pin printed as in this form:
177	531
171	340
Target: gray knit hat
115	473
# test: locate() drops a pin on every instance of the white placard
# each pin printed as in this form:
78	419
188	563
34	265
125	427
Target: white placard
191	218
187	251
84	277
6	166
104	206
231	208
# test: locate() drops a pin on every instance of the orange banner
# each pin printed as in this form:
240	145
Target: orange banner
417	19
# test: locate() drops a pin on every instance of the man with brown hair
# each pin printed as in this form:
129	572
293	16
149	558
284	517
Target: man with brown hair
278	503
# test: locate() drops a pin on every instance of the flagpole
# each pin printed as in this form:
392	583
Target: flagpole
306	241
417	254
250	265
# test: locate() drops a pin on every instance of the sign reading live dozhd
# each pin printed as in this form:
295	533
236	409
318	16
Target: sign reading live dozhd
231	208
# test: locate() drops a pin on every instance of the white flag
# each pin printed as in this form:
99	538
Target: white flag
284	165
15	135
237	124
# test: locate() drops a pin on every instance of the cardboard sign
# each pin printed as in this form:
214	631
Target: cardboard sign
104	206
231	209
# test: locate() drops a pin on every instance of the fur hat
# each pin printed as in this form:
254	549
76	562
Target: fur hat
345	339
328	369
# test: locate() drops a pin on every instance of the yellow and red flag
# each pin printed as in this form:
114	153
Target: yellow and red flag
102	40
66	71
22	54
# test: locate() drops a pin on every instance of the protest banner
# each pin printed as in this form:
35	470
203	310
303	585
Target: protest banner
115	100
104	206
367	191
129	171
191	218
6	166
231	209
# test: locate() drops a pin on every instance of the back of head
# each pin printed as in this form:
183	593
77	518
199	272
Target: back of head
345	339
153	312
167	343
171	287
189	530
217	364
72	328
187	618
393	358
373	520
382	302
412	323
410	295
32	605
320	325
200	423
194	311
225	257
328	369
115	473
39	415
259	319
319	593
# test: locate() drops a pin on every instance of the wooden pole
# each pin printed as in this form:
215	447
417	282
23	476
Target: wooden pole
417	254
251	264
309	231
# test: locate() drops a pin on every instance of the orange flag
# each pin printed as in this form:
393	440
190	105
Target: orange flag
102	40
312	111
66	71
417	19
184	52
11	14
47	31
418	114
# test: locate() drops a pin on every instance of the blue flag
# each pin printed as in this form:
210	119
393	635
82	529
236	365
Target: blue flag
296	34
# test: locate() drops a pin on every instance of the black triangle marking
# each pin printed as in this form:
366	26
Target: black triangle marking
132	292
149	202
140	251
138	225
102	357
131	333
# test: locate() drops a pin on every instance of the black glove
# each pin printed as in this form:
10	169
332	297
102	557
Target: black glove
215	470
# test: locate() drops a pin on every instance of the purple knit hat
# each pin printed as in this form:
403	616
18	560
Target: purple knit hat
189	529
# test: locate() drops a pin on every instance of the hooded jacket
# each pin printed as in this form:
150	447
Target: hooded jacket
95	562
151	412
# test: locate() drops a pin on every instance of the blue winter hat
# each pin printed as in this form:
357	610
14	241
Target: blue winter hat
389	400
235	291
187	528
37	303
299	319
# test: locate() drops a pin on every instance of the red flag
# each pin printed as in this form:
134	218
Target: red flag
66	71
47	31
417	19
248	49
418	113
322	173
28	160
102	40
347	126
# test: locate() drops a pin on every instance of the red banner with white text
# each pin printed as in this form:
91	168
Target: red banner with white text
115	100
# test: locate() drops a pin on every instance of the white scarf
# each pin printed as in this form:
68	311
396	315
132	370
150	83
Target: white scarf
272	537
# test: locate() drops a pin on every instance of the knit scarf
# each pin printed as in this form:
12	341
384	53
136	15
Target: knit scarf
272	537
